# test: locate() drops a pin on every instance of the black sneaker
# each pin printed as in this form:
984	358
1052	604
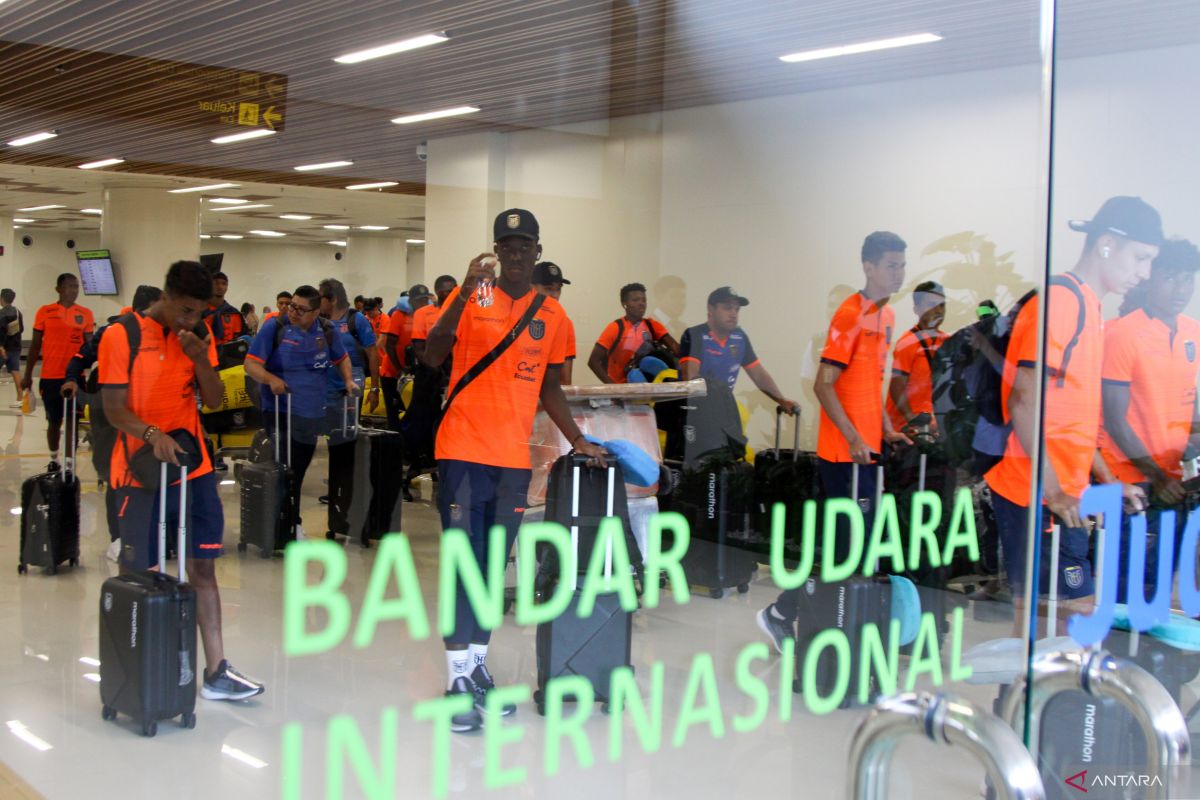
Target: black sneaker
469	720
484	684
229	684
776	629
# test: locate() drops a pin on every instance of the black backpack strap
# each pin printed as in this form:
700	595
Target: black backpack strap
351	325
1070	282
620	332
490	358
133	331
916	332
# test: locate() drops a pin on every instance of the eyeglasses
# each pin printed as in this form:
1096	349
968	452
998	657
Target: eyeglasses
301	309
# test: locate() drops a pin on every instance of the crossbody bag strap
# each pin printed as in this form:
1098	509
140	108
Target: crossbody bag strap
492	355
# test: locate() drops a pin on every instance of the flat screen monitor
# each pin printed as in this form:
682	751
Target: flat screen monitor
96	273
212	262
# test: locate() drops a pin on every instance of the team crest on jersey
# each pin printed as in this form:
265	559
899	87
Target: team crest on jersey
537	328
1189	347
1073	576
79	319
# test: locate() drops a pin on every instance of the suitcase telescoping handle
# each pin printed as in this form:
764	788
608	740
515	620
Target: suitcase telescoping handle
71	448
779	412
289	430
349	415
181	541
578	464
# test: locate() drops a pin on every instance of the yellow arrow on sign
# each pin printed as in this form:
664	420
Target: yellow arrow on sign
270	117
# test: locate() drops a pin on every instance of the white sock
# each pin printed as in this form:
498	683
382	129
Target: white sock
478	654
54	456
456	665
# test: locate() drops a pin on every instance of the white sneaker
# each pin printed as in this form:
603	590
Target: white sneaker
15	405
113	553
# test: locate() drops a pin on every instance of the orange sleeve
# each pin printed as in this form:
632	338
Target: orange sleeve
212	352
557	353
903	358
844	330
39	319
608	336
114	356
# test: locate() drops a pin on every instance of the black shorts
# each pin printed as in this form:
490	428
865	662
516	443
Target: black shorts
51	391
137	515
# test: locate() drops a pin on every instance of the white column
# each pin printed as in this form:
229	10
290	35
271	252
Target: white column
7	240
147	230
375	266
464	191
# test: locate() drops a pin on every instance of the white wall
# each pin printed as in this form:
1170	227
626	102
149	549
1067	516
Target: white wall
35	268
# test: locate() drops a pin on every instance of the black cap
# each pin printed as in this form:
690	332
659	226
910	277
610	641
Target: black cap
1131	217
515	222
726	294
546	273
419	290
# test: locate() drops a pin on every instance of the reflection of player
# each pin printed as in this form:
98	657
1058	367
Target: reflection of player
850	389
1122	239
670	303
1150	369
627	338
911	389
548	279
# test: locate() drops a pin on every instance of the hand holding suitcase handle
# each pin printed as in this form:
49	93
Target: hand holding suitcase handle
584	453
779	412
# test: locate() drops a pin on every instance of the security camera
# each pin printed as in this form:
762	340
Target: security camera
423	151
27	241
337	256
70	244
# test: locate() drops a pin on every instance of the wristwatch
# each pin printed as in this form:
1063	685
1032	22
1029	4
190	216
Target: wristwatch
150	431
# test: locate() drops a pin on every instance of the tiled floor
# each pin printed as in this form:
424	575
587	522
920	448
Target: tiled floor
49	623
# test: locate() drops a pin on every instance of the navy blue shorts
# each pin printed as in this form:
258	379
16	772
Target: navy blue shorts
51	391
12	360
1074	566
137	515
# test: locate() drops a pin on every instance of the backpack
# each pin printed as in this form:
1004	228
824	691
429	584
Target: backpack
326	328
967	388
654	347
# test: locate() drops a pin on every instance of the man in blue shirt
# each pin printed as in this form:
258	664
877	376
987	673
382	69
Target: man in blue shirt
294	357
718	349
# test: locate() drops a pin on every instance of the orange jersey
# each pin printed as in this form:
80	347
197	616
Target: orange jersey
491	421
424	318
858	341
633	338
912	358
1072	405
1160	370
272	315
400	325
63	333
570	338
161	385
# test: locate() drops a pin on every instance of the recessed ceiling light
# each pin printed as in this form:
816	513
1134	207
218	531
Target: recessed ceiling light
372	227
404	45
377	185
33	138
295	216
16	227
457	111
230	236
323	165
205	236
90	211
227	201
21	219
210	187
104	162
40	208
254	133
242	208
268	233
862	47
337	242
414	241
336	227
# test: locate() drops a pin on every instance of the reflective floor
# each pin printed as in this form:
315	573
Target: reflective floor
47	688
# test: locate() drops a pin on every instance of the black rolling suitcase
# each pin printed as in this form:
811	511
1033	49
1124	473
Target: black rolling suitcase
716	498
266	515
148	635
596	645
583	507
787	476
366	498
50	510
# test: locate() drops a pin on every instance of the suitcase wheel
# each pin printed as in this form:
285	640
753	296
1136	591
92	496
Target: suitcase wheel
149	729
74	562
743	588
52	569
797	686
716	594
187	720
331	536
265	553
21	569
108	713
604	707
241	547
366	543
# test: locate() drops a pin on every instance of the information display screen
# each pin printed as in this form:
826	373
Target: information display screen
96	273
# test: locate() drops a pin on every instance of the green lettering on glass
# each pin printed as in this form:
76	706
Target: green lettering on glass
962	527
344	741
958	670
458	562
495	736
887	521
925	655
832	572
610	536
439	710
550	534
787	674
299	597
626	697
785	578
828	638
752	686
885	666
559	727
658	563
701	685
926	516
394	558
291	771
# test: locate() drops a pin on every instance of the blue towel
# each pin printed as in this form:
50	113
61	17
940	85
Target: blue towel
639	468
635	375
1178	630
906	607
404	305
651	366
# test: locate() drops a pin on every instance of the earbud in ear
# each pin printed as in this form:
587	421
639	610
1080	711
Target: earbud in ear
1104	252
